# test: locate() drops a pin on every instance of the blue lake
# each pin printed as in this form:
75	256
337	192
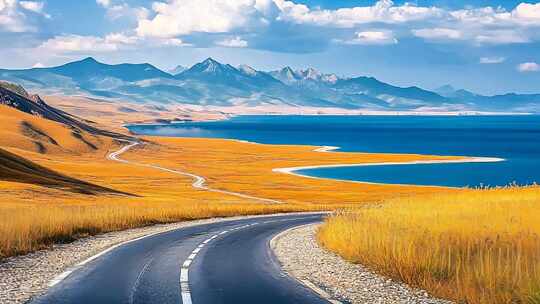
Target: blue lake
514	138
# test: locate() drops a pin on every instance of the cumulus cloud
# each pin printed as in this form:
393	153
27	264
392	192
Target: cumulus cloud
484	25
527	13
168	19
118	9
235	42
373	38
528	67
383	11
34	6
182	17
280	24
14	17
109	43
492	60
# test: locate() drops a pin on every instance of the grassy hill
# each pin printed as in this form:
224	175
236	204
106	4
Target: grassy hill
14	168
28	125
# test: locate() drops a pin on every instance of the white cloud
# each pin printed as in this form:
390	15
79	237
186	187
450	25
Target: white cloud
383	11
78	43
182	17
481	25
34	6
38	65
13	19
438	33
502	37
527	13
484	25
235	42
110	43
528	67
119	9
492	60
477	36
373	38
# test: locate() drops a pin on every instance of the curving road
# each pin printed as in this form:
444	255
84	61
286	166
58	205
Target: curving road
225	262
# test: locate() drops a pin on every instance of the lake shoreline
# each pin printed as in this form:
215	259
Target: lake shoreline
293	170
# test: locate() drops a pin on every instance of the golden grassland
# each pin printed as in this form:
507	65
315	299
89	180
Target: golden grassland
33	217
473	246
477	246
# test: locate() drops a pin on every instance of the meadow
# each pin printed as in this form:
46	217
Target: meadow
34	217
473	246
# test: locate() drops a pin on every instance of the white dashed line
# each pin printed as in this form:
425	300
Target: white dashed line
184	271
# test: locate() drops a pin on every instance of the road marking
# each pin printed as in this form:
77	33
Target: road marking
138	281
185	291
70	270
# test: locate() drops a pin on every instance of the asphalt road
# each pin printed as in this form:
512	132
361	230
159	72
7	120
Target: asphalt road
227	262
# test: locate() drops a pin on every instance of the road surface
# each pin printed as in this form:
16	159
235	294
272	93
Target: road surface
224	262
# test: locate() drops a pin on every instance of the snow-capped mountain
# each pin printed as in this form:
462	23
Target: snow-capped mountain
290	76
213	83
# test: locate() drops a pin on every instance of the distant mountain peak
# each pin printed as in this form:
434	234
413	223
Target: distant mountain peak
246	69
211	66
210	60
88	60
177	70
451	92
290	76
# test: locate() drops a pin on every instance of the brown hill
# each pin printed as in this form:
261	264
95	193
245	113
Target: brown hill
16	97
14	168
28	124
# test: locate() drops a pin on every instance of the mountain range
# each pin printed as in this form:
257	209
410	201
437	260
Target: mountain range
211	83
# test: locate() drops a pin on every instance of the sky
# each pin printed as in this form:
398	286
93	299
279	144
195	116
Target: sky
489	47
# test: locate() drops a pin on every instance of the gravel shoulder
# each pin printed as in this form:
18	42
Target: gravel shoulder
331	276
24	277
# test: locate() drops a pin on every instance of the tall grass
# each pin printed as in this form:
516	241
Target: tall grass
26	228
474	246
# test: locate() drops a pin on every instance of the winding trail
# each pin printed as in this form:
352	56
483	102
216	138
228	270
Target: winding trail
199	182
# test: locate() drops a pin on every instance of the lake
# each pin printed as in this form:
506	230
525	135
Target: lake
514	138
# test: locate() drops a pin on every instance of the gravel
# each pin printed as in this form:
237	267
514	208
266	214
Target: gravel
337	279
24	277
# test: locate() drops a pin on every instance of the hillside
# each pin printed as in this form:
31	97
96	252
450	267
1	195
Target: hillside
34	105
30	127
14	168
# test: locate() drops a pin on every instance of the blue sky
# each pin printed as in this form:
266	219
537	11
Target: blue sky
489	47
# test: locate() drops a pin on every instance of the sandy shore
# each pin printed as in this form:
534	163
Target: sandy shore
293	170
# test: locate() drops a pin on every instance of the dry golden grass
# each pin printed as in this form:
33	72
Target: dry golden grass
474	246
25	228
22	131
34	217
